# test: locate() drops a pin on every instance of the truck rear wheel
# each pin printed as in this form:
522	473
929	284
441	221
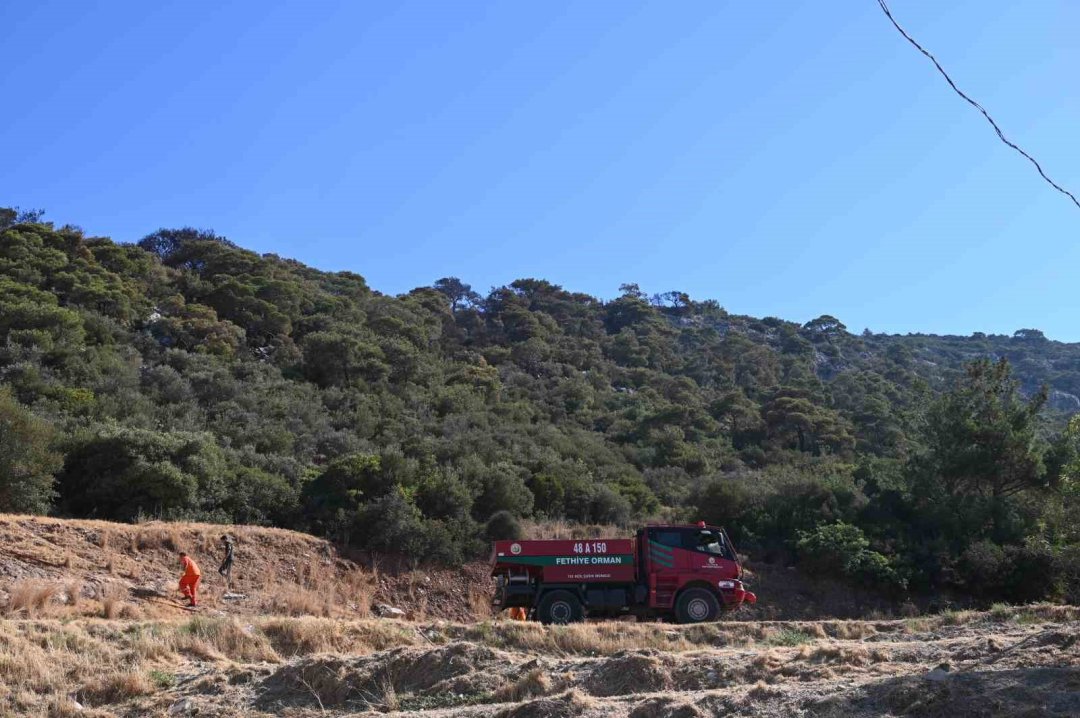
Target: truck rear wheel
559	607
697	605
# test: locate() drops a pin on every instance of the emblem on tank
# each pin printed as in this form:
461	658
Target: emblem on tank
515	548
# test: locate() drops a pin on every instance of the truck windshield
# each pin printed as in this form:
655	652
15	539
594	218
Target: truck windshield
712	542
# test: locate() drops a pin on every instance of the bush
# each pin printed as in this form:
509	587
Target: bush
981	568
503	526
503	489
390	525
608	506
841	550
27	463
833	549
120	473
1017	574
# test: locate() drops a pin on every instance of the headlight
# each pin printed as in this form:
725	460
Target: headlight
726	584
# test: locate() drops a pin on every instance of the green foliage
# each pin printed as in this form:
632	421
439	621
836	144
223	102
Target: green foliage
121	473
27	463
841	549
162	679
186	376
503	526
982	438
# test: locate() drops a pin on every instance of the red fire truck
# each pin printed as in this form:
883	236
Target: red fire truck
688	573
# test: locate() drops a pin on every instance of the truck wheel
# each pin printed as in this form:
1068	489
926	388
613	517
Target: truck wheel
696	605
559	607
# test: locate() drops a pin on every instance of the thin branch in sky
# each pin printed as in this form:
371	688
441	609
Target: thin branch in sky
976	105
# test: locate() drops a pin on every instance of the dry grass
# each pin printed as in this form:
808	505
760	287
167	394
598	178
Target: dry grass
762	691
388	700
31	598
66	707
112	600
156	535
848	630
848	655
357	590
112	663
322	591
228	638
72	593
302	602
564	530
274	567
116	688
957	618
480	603
534	683
290	637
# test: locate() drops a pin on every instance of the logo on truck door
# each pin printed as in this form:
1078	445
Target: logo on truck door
515	548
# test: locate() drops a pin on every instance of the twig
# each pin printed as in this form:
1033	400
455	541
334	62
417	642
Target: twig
312	691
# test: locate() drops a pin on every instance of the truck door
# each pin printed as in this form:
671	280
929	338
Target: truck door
709	554
663	545
666	561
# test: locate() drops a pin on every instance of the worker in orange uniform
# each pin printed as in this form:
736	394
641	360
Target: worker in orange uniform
189	582
518	613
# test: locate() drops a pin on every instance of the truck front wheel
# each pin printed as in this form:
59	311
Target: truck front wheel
559	607
697	605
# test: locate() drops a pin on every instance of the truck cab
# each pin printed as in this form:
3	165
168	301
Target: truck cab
688	573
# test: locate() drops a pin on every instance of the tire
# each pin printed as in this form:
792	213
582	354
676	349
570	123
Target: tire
559	607
696	605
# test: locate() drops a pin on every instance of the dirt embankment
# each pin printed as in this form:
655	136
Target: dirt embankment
279	572
86	564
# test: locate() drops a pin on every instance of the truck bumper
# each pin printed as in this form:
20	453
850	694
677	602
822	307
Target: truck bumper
737	595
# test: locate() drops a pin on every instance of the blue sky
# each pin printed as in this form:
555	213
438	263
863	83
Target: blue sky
784	158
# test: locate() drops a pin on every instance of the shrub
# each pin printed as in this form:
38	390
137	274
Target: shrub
843	551
27	463
834	549
503	526
610	507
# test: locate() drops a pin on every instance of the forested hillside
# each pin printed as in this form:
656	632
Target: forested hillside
186	377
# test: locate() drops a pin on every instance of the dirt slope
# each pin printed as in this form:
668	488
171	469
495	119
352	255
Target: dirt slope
283	572
278	572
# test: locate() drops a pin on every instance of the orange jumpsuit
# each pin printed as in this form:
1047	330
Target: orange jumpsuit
189	582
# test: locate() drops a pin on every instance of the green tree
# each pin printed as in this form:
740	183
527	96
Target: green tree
121	473
27	461
982	437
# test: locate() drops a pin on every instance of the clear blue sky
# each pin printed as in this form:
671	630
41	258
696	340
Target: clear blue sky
784	158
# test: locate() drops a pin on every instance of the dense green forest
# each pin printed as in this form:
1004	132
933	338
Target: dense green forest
186	377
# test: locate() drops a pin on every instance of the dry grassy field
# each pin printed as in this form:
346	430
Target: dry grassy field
75	640
1011	662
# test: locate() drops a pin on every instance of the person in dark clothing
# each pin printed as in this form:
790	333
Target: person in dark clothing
227	563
